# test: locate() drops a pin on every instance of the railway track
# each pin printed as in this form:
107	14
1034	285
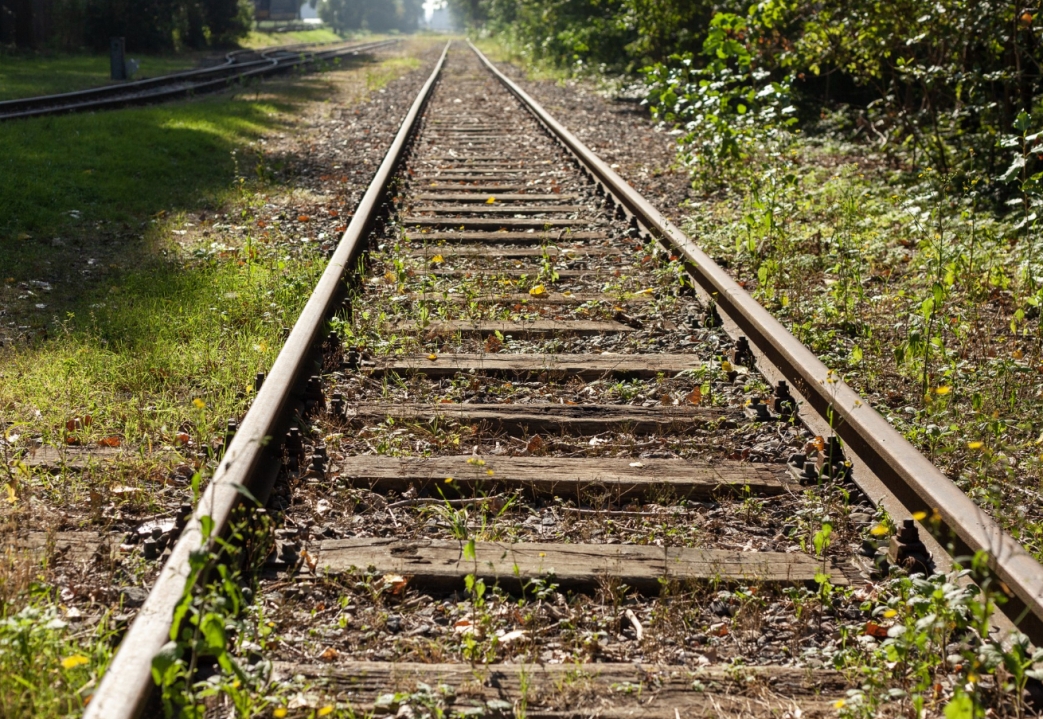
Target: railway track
551	461
238	66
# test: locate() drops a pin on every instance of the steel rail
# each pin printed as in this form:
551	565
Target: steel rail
251	459
143	92
913	479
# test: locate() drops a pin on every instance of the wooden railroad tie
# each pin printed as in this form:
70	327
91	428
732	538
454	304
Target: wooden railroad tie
442	564
573	419
604	690
584	366
616	479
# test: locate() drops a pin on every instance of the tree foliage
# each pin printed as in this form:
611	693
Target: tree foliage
373	15
147	25
933	83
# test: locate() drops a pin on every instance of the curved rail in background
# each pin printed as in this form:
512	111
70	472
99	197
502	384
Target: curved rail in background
179	84
914	480
250	460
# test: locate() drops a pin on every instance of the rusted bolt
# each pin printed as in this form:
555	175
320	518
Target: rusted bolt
759	410
908	552
337	405
294	442
741	353
783	403
712	318
230	429
313	397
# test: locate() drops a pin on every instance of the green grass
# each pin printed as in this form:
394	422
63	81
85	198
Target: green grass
258	39
149	328
27	75
121	166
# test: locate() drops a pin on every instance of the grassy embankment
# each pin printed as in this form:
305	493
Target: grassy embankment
148	333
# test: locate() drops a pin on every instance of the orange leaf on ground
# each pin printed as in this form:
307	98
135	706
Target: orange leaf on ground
696	395
875	630
302	218
112	441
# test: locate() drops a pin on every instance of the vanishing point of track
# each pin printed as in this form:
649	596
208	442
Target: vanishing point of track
552	369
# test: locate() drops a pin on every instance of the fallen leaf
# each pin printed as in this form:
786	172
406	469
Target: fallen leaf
437	259
819	443
432	356
329	655
302	218
463	626
535	444
696	395
181	438
72	441
12	497
112	441
493	344
513	636
979	445
334	213
944	389
537	290
875	630
396	582
490	201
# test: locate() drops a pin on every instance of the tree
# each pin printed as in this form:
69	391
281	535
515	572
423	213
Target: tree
374	15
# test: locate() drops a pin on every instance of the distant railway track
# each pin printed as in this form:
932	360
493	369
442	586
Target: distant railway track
238	66
530	397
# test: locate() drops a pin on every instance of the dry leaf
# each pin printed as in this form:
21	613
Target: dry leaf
302	218
112	441
875	630
535	444
538	290
513	636
329	655
696	395
396	582
490	201
819	443
493	344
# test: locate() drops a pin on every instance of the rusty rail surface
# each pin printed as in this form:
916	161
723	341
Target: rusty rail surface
180	84
250	460
914	480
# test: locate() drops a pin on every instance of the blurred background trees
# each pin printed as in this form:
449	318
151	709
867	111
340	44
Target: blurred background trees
147	25
373	15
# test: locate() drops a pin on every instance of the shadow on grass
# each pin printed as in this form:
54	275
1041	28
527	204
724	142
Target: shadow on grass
126	331
84	187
